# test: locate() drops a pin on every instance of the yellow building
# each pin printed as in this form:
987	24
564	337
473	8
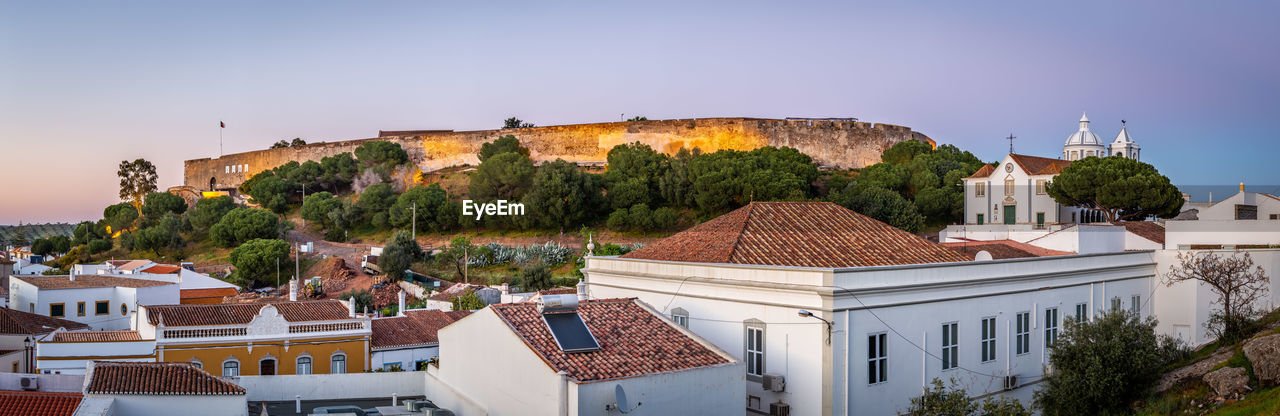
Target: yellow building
310	337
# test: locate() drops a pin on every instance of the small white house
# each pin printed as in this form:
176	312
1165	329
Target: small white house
408	341
19	334
162	389
105	302
70	352
561	357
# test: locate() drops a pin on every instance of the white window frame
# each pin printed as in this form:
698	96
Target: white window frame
333	360
1082	312
1050	327
680	317
753	348
877	358
950	345
298	365
1023	333
391	366
1040	185
987	339
1009	186
196	362
1135	305
235	369
980	189
1115	304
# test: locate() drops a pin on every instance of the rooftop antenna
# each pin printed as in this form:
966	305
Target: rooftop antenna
1011	137
620	401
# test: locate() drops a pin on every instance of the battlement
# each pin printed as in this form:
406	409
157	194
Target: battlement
841	143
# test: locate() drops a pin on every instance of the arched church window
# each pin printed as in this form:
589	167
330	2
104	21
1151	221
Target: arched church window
1075	154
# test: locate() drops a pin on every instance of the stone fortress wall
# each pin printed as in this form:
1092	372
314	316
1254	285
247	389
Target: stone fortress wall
839	144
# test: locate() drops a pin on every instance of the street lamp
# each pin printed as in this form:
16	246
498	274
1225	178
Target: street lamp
26	350
807	314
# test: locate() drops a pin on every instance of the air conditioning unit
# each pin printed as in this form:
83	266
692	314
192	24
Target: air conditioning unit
1011	382
779	409
30	383
773	382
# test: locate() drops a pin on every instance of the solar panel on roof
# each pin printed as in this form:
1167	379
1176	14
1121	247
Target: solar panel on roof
570	332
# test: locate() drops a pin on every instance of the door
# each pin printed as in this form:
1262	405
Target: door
1010	213
268	367
1040	220
979	219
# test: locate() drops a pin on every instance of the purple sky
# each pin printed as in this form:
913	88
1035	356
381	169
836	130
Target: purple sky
86	85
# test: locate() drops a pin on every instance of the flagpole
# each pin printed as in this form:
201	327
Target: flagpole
220	128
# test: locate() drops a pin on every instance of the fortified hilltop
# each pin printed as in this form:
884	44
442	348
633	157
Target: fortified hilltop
839	143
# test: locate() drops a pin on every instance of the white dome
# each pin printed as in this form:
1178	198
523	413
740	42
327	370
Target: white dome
1083	137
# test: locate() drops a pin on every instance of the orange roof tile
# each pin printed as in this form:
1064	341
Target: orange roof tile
1145	229
38	403
417	327
243	313
1036	165
217	292
982	172
96	336
17	322
114	377
162	269
1003	249
88	280
133	264
803	234
633	341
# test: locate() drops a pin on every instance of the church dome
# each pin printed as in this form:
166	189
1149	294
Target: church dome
1083	136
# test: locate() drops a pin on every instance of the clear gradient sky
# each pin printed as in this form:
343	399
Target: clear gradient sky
86	85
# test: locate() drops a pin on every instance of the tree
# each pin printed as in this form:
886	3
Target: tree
401	252
166	235
86	231
280	144
469	301
638	118
504	176
536	277
903	152
362	298
1118	187
156	204
41	247
257	260
340	220
456	255
618	220
504	144
137	179
377	198
562	196
640	217
428	200
882	204
297	141
1100	367
60	244
244	224
339	171
99	245
1238	283
515	123
209	211
270	190
19	238
118	217
316	208
381	153
955	401
664	218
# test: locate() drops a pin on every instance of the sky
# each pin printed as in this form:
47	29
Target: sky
84	86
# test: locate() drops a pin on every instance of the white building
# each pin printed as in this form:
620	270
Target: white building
1014	194
408	341
160	389
70	352
102	301
890	310
1243	206
565	358
19	333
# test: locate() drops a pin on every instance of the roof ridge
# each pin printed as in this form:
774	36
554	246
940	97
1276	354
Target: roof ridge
733	247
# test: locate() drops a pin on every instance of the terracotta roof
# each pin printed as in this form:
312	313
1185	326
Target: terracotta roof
633	340
115	377
118	263
218	292
1040	165
982	172
1003	249
5	260
88	280
243	313
17	322
133	264
417	327
162	269
1145	229
805	234
95	336
38	403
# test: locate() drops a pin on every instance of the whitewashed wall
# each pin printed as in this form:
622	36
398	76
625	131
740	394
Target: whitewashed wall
1179	234
149	405
1184	308
702	391
48	382
407	357
331	386
469	367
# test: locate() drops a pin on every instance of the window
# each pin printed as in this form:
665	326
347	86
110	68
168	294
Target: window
228	169
31	307
57	310
392	367
124	309
1115	304
1040	186
950	348
231	368
1075	154
980	189
197	363
680	317
1135	305
420	365
79	308
304	365
754	347
338	364
1023	336
101	307
267	367
877	358
1050	327
1246	212
1008	186
988	344
1275	216
1082	312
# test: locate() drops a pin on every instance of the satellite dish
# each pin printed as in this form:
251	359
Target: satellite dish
620	401
983	255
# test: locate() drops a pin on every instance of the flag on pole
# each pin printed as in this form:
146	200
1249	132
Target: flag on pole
221	124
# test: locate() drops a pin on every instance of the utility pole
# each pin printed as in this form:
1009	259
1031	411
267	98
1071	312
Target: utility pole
415	222
277	272
297	262
466	271
304	199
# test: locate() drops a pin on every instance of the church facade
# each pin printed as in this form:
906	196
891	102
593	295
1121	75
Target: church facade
1014	192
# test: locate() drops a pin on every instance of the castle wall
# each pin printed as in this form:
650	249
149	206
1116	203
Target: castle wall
841	144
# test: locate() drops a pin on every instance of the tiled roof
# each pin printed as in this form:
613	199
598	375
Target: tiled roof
243	313
118	263
207	293
162	269
1040	165
1145	229
18	322
982	172
804	234
88	280
96	336
38	403
633	341
133	264
1003	249
417	327
114	377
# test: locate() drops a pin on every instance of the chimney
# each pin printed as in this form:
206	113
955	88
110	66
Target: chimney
293	290
582	290
73	276
351	307
400	298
